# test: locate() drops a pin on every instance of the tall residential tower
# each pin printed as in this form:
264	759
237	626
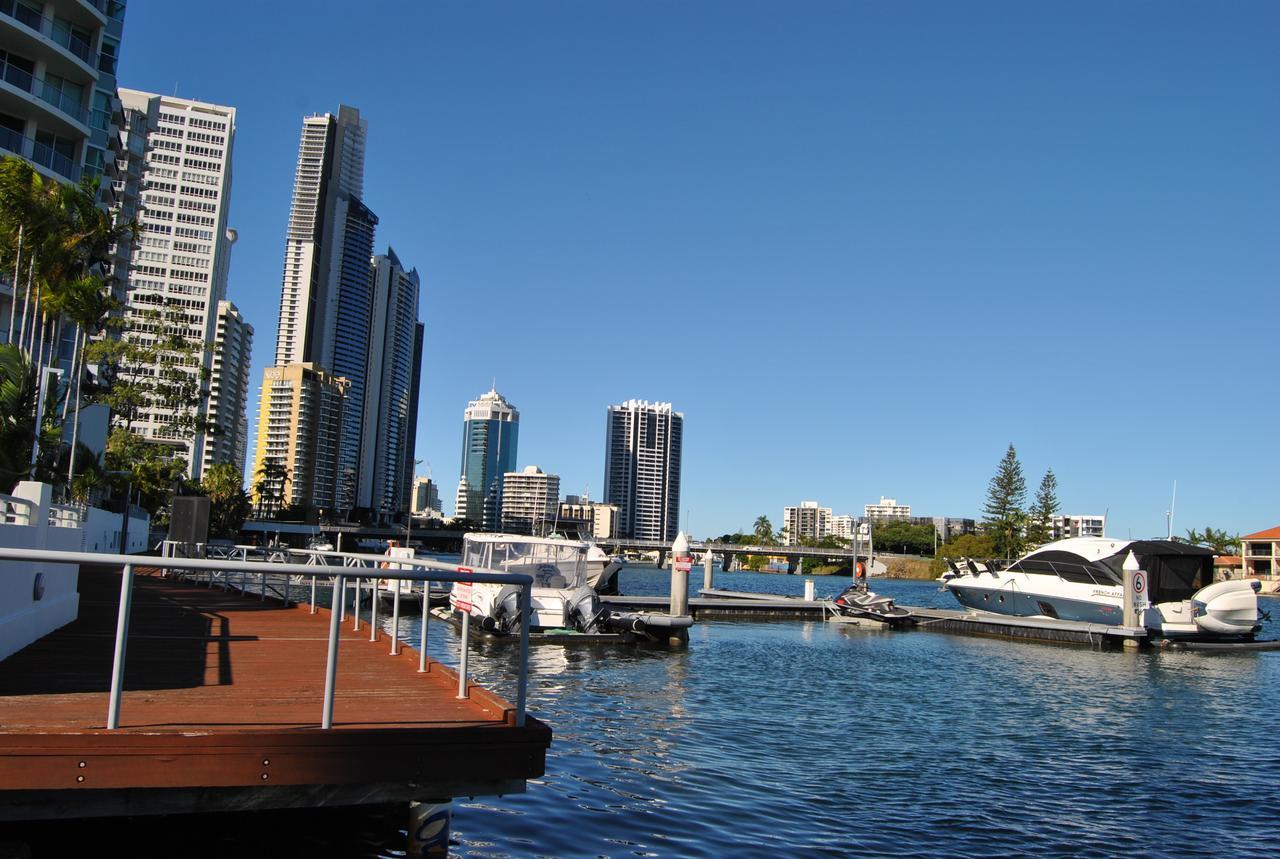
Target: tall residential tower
491	430
643	443
349	320
178	170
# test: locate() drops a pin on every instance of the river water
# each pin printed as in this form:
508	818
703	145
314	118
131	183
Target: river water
798	738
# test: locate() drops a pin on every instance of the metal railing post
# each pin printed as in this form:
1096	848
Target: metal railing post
313	594
422	646
462	668
522	679
342	600
373	611
262	584
355	624
331	668
395	621
122	637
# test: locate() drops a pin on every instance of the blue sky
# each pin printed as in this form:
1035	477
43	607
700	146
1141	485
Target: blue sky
862	246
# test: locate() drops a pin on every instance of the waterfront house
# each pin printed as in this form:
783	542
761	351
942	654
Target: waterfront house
1261	553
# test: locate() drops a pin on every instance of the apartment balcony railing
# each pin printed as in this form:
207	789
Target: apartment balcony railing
54	30
40	153
47	92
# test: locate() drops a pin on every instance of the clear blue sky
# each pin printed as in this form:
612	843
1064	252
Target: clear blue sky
862	246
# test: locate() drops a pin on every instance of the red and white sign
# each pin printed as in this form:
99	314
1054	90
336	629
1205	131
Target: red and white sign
682	565
1140	590
462	596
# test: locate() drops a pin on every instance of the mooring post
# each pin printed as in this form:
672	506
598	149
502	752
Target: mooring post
681	563
708	578
1135	595
808	590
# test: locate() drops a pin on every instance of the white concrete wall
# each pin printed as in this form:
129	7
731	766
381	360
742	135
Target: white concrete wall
36	599
26	613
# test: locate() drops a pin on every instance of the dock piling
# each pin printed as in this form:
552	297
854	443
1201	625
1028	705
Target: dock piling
708	577
331	667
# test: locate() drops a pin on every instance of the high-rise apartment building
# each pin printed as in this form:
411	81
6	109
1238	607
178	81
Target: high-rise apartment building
528	497
178	170
58	105
426	497
229	388
808	521
337	316
643	445
300	417
388	434
491	434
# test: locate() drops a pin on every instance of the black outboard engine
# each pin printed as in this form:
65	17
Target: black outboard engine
584	609
506	611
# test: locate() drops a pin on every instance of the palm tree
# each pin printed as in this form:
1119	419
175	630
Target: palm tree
17	414
763	530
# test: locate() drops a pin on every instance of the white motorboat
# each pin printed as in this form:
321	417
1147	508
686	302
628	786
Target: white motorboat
602	570
562	599
1081	579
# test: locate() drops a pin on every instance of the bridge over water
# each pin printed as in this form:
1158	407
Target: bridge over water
794	555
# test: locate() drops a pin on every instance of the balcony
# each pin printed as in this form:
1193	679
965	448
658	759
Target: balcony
39	154
67	105
53	31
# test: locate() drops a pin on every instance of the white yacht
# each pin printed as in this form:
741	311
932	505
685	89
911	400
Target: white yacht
562	599
1081	579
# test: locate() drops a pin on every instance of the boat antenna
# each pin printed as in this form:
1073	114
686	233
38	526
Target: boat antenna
1168	514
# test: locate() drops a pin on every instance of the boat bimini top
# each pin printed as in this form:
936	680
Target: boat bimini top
553	563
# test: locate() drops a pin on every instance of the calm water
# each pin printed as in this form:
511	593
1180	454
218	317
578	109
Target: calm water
800	739
795	738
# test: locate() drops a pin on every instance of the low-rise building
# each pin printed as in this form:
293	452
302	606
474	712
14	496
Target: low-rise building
1063	527
1261	553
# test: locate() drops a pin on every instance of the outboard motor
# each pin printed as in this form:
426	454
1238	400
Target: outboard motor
506	610
583	607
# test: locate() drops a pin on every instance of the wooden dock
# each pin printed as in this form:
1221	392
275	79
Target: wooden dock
221	711
1042	629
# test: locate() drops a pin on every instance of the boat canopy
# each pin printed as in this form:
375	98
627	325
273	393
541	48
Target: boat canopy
1176	570
552	563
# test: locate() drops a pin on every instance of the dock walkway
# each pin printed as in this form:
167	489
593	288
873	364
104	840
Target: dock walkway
221	711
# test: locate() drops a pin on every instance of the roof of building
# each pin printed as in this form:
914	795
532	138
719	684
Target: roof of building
1228	561
1269	534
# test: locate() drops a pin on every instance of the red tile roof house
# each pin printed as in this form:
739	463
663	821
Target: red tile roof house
1261	552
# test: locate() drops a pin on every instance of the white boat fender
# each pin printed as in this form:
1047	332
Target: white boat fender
640	621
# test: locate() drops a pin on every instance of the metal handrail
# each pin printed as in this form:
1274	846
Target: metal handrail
430	571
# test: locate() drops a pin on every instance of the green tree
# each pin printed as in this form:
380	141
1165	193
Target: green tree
899	535
228	502
963	546
1003	515
763	531
1040	519
148	471
17	415
1220	541
269	486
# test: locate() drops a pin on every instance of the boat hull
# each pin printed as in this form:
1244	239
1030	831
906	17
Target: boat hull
1021	603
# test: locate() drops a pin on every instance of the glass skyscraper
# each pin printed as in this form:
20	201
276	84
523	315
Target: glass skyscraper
489	440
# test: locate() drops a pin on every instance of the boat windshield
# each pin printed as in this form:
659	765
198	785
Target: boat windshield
1067	566
552	565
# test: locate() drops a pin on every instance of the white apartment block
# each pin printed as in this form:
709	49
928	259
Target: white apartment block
888	508
1078	526
229	389
806	521
179	172
842	526
528	497
644	445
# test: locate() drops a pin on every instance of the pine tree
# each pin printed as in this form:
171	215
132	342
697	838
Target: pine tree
1003	515
1040	525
